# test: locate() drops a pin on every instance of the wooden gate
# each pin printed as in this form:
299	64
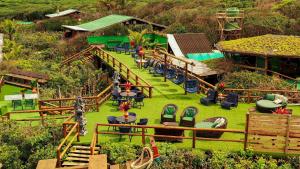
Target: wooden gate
273	133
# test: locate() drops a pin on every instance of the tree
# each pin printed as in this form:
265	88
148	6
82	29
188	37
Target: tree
138	37
11	49
8	27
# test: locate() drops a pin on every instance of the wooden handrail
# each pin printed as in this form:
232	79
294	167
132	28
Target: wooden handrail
143	134
59	154
76	55
124	70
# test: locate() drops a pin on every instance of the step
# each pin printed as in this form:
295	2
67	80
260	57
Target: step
85	148
78	155
83	152
77	159
68	163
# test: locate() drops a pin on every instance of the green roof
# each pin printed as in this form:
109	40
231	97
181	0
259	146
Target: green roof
62	13
266	45
100	23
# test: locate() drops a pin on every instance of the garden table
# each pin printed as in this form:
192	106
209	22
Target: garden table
128	96
13	97
31	96
131	119
141	62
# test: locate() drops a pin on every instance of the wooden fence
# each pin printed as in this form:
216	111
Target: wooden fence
273	133
126	72
90	102
270	72
69	139
252	95
77	55
164	57
42	118
143	134
2	81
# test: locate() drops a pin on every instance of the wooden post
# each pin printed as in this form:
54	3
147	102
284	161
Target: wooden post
186	74
246	131
249	96
120	67
40	105
136	80
58	158
287	136
43	120
64	130
128	73
165	71
194	138
150	92
96	131
114	62
266	65
143	136
97	104
78	132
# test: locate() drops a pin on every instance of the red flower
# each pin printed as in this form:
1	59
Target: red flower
125	106
281	111
132	43
128	85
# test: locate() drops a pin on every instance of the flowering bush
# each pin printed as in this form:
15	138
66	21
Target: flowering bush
125	106
281	111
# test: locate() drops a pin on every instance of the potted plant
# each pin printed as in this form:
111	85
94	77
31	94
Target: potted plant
125	106
127	87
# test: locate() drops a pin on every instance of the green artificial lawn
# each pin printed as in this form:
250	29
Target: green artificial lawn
164	93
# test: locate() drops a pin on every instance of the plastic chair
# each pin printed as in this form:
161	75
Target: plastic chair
29	103
142	122
159	69
212	96
179	79
171	74
138	101
231	101
191	86
112	120
125	130
17	104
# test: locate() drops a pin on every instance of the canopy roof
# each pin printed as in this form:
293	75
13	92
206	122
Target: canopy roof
105	22
62	13
266	45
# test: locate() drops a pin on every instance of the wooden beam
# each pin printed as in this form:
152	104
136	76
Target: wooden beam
98	162
47	164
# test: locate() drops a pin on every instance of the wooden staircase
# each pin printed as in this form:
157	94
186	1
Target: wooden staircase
84	55
79	156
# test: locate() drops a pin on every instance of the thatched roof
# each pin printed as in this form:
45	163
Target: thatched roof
266	45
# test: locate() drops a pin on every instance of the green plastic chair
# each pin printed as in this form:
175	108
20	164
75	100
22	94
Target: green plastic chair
17	104
29	103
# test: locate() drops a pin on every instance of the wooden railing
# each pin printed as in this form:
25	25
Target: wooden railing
143	133
90	102
62	149
252	95
1	82
126	72
268	72
42	119
161	54
77	55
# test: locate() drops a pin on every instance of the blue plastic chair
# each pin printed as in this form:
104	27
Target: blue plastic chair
171	74
212	96
125	130
179	79
112	120
160	69
232	100
191	86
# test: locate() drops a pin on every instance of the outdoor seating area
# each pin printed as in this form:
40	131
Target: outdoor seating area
214	123
271	102
20	102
